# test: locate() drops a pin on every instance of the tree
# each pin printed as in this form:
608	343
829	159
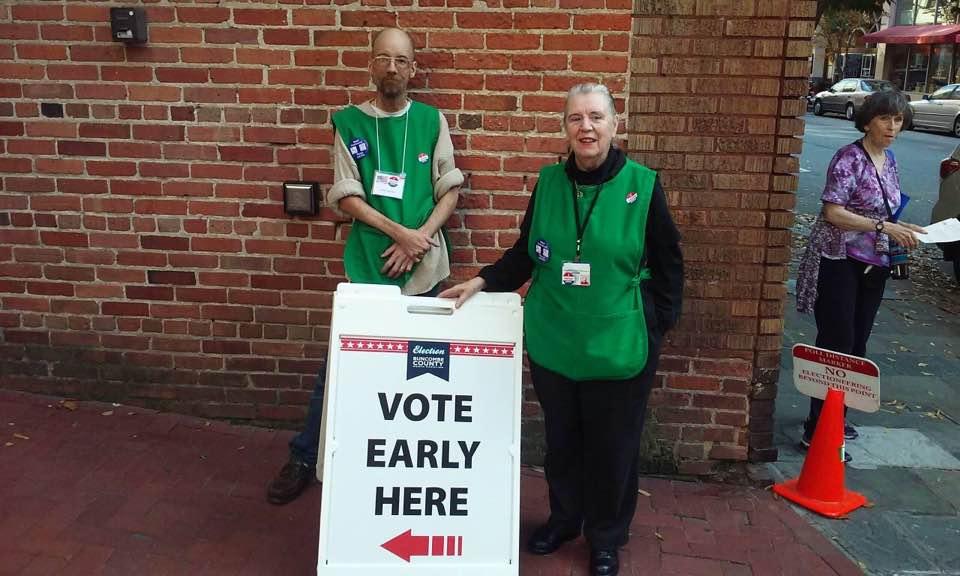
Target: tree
949	11
865	6
840	27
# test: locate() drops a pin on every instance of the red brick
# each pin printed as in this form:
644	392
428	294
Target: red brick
159	133
367	19
36	12
313	17
286	36
79	148
202	15
175	35
259	17
484	20
207	55
125	309
341	38
539	62
68	32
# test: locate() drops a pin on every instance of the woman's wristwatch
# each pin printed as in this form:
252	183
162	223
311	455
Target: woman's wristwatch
879	226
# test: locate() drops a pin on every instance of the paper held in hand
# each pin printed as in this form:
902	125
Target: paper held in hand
944	231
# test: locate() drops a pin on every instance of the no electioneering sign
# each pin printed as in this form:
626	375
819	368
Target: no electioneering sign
421	451
816	369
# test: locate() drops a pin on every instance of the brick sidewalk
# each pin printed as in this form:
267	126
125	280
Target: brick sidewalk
104	489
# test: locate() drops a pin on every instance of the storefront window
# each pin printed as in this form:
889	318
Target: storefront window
866	66
941	62
905	12
926	12
916	79
897	55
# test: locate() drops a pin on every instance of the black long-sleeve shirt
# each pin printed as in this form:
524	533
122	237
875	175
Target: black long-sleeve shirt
664	291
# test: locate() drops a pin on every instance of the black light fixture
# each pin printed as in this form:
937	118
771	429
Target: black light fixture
129	25
301	198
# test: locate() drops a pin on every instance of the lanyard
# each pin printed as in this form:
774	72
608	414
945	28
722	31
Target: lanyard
883	189
406	123
582	226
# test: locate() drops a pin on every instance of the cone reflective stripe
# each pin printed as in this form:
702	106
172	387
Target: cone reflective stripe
820	486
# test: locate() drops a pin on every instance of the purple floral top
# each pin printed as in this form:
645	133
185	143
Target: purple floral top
852	183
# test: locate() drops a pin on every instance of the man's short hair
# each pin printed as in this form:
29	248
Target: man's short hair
400	30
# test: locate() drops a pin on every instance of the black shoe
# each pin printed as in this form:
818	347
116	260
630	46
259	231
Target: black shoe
547	538
290	482
849	432
604	562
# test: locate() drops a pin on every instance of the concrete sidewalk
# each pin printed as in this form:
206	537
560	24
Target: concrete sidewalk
907	459
91	488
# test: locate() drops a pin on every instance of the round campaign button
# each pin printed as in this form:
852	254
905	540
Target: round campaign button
542	250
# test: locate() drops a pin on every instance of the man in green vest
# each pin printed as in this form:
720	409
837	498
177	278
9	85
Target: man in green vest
394	174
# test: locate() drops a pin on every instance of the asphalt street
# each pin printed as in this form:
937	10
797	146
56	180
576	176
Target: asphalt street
907	460
918	156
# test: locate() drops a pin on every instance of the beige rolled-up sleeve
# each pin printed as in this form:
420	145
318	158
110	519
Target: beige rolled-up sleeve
346	175
446	175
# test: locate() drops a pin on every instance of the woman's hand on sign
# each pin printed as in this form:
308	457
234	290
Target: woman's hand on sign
463	291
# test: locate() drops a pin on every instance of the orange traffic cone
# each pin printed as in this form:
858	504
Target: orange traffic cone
821	484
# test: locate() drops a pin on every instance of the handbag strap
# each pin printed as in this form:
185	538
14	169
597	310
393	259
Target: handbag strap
883	189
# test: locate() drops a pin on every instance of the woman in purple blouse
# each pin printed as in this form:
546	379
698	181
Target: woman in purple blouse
846	265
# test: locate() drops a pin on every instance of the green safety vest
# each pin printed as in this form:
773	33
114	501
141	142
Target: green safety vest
361	256
595	332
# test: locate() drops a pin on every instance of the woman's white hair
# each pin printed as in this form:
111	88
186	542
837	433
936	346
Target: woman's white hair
592	88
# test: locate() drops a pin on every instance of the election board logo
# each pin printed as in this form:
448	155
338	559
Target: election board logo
428	358
567	278
393	181
422	158
631	197
542	250
358	148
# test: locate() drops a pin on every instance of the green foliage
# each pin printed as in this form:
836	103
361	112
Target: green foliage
873	7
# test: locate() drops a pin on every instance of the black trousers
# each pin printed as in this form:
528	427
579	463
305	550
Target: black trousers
593	437
848	298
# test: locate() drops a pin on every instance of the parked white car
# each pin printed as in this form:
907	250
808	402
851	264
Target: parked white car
948	205
939	111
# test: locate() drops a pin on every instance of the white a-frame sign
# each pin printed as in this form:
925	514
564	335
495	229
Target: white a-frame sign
421	441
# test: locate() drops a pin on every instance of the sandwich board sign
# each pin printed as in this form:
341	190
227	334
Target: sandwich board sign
421	436
816	369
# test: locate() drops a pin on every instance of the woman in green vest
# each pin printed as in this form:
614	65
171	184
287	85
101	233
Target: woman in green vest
603	256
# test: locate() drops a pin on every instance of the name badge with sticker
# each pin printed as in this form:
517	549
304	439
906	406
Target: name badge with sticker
575	274
388	184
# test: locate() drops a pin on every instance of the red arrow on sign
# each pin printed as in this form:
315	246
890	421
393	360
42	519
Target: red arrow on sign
407	545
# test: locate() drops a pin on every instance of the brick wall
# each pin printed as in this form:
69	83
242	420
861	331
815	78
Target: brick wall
714	100
145	255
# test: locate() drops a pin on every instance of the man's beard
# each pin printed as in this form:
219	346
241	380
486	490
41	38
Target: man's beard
390	88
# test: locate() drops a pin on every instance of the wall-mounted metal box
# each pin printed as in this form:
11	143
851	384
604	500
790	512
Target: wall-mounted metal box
129	25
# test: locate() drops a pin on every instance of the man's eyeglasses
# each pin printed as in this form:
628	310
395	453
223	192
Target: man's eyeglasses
401	62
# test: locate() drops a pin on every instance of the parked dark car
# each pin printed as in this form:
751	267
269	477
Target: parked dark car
847	95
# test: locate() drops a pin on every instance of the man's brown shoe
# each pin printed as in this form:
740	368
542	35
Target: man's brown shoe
290	482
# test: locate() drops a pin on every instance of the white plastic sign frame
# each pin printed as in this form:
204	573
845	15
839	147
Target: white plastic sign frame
816	369
420	448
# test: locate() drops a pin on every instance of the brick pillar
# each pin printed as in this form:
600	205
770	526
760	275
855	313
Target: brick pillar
713	106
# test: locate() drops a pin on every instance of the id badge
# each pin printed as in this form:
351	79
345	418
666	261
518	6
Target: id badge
575	274
388	184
